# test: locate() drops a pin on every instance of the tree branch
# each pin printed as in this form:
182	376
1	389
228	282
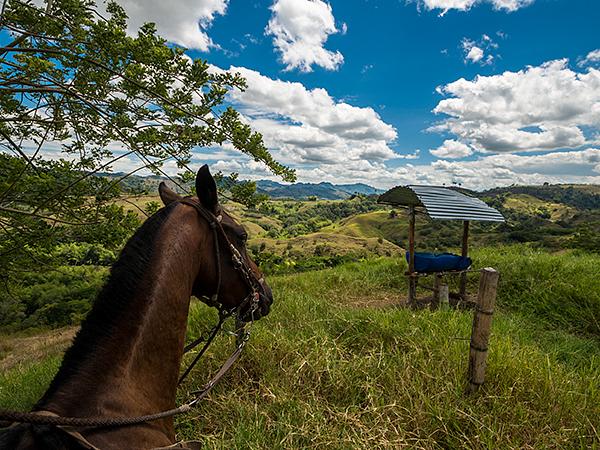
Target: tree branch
40	216
17	149
32	90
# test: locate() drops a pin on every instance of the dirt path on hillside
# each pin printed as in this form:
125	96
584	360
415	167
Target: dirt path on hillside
19	350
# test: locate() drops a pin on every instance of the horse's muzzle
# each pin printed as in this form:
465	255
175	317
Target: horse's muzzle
265	300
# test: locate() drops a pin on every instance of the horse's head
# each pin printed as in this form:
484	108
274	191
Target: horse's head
228	276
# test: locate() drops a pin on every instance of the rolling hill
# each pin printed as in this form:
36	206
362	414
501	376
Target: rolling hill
136	184
322	190
552	217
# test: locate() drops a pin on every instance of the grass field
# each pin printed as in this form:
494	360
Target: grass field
338	365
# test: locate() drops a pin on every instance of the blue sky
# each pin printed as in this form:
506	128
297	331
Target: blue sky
395	54
395	57
387	92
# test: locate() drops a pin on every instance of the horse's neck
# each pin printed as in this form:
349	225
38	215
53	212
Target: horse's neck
135	371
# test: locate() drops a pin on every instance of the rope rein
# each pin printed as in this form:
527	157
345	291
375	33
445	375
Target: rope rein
251	301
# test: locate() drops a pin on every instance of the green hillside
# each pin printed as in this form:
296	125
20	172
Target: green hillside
534	206
552	217
289	235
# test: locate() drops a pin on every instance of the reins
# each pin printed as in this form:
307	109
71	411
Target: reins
243	334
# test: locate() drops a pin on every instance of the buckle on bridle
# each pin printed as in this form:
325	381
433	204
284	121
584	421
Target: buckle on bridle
237	261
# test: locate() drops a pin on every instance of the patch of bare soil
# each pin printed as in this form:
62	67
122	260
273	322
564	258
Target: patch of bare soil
18	350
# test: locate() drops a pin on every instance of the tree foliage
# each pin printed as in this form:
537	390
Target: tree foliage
75	85
240	191
79	79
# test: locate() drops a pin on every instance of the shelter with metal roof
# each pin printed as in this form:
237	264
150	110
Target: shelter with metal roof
439	203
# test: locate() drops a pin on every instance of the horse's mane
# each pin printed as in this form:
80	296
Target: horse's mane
122	285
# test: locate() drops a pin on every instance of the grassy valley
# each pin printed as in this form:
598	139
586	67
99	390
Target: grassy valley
338	364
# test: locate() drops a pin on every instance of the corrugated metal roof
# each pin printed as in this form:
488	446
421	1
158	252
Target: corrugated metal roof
442	203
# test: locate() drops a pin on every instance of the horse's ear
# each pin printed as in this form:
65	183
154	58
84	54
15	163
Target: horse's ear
206	189
167	195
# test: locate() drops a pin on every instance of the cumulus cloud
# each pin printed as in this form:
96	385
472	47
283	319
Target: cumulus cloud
536	109
414	155
581	166
183	22
452	149
465	5
474	54
498	170
584	162
300	29
591	58
541	108
307	128
311	109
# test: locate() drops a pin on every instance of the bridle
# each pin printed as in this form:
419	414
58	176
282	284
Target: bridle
255	284
251	302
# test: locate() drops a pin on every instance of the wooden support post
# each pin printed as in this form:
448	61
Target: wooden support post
465	252
482	322
412	279
444	298
437	282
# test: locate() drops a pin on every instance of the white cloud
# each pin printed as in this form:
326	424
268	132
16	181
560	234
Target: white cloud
501	170
479	51
591	58
536	109
183	22
553	164
326	140
475	54
452	149
305	128
231	165
483	173
580	166
314	108
300	29
414	155
465	5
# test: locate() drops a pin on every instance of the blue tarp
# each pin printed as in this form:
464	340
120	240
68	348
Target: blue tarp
439	262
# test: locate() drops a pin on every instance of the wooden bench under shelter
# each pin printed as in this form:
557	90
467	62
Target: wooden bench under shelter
438	203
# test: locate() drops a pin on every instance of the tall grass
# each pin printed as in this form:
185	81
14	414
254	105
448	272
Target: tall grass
557	290
337	365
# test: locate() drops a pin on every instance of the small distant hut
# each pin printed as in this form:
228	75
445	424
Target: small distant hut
438	203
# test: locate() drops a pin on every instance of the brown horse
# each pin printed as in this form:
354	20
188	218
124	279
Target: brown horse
125	360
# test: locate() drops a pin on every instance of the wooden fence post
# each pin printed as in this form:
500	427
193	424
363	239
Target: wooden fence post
482	322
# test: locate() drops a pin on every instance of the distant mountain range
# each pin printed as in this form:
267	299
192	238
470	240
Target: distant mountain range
273	189
323	190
